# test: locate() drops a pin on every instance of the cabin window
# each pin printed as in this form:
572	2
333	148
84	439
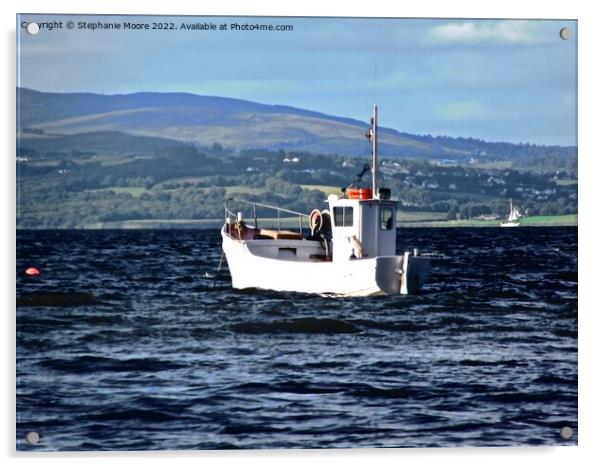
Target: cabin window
343	216
387	220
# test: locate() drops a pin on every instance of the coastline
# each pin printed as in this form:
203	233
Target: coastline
293	223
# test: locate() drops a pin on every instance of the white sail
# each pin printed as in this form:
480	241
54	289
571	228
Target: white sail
513	217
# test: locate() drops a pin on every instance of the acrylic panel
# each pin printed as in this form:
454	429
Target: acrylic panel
289	232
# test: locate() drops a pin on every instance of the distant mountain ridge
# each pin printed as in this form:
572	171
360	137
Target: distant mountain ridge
236	124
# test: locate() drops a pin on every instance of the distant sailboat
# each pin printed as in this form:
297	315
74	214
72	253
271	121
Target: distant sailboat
512	217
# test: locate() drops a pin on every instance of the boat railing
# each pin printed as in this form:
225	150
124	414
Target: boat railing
228	213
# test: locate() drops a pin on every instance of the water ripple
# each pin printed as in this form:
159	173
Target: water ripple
128	340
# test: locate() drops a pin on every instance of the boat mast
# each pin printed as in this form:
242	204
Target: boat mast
374	155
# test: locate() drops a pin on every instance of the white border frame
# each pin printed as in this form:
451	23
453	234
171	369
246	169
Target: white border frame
589	164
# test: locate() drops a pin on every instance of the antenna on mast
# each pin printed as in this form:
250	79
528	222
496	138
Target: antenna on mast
374	122
371	135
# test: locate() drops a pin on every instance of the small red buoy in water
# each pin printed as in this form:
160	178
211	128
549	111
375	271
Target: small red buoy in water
32	271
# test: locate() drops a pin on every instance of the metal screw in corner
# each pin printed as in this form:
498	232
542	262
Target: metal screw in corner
566	432
565	33
33	28
32	438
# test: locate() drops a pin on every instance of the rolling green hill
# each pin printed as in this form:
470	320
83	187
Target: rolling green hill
238	124
98	142
171	159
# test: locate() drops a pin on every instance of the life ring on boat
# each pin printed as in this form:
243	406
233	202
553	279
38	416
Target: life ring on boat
326	224
315	221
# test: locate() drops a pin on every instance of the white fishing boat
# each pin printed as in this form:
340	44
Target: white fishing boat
513	217
349	251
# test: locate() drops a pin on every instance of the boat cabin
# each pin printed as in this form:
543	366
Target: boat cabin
362	227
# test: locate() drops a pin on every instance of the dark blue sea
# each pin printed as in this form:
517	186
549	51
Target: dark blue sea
124	343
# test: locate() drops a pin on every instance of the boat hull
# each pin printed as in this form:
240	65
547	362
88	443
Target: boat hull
386	275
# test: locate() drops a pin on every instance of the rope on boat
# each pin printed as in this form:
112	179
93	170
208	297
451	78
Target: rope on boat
219	268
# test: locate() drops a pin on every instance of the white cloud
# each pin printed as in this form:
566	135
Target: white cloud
486	31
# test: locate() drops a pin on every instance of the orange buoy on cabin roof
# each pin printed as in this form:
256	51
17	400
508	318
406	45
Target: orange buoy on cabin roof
359	193
32	271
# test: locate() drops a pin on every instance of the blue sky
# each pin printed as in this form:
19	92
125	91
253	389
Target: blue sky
498	80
